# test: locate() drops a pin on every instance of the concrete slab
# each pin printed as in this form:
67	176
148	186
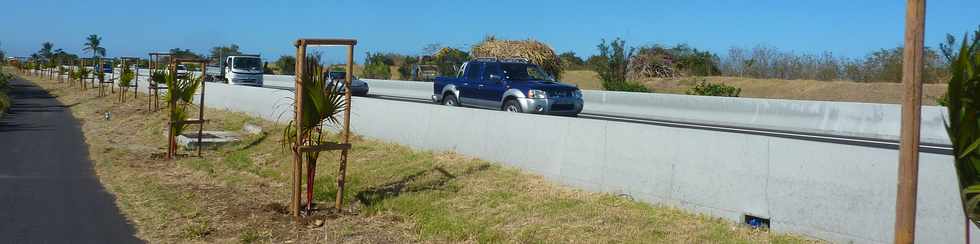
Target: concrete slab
209	139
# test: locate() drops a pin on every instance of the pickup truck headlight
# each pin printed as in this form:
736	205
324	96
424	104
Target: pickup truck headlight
577	94
537	94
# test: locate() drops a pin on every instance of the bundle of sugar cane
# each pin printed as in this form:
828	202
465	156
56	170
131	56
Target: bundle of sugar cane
535	52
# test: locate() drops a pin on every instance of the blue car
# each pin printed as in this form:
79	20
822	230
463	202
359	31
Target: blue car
513	85
358	87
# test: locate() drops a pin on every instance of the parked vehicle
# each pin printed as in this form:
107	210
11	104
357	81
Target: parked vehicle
358	87
242	70
513	85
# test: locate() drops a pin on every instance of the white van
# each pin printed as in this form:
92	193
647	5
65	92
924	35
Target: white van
243	70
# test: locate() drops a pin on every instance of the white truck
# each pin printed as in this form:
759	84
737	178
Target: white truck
242	70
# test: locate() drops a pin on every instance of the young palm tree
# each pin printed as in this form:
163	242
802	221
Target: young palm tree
124	81
321	107
963	106
93	44
180	94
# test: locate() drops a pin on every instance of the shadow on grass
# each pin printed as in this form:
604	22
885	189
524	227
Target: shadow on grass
255	142
393	189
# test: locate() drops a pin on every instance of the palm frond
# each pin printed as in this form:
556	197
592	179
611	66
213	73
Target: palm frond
322	106
126	77
180	94
963	126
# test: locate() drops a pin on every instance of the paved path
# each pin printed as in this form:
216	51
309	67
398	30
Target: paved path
48	189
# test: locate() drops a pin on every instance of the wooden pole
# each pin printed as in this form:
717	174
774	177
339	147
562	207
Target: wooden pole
200	110
171	142
908	167
149	85
341	175
298	118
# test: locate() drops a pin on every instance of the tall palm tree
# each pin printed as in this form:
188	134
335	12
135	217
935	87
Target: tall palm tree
93	45
45	51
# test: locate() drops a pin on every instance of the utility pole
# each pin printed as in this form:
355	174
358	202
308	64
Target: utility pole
908	165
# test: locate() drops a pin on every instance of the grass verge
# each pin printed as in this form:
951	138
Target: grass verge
841	91
238	193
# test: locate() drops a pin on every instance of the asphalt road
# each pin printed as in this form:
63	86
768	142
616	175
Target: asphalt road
48	189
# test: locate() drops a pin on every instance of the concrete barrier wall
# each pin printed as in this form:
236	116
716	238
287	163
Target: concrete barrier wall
870	120
873	120
841	193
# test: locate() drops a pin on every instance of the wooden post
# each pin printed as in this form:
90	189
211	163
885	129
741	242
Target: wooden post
171	142
908	167
200	111
298	118
341	175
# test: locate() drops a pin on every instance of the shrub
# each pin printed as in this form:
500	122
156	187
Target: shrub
449	60
406	67
611	64
884	65
571	61
286	65
626	86
376	66
705	88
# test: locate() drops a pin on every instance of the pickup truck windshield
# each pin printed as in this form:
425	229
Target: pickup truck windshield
247	64
521	72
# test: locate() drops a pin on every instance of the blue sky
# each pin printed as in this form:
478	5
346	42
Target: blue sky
133	28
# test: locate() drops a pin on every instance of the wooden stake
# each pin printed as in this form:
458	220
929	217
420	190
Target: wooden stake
341	175
908	167
298	118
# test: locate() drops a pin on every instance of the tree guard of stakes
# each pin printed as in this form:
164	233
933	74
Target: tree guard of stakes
81	80
153	87
124	65
172	138
298	148
103	82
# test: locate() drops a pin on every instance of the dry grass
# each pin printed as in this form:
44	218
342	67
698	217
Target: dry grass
535	51
844	91
237	193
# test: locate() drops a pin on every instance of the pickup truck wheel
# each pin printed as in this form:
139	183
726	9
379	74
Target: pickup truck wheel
450	100
512	106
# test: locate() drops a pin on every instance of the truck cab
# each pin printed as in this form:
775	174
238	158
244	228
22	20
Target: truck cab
243	70
513	85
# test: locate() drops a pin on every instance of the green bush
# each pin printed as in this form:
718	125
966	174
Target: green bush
705	88
406	67
611	63
626	86
286	65
376	66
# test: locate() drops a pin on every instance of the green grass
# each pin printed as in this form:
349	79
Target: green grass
436	196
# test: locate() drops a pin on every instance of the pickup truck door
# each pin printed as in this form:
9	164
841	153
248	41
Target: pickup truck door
491	90
467	85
